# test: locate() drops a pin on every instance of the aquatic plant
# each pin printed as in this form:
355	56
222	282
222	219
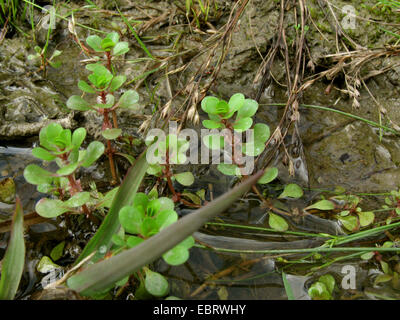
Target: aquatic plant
104	84
64	148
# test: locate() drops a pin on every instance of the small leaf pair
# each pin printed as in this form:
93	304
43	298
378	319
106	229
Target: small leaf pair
110	43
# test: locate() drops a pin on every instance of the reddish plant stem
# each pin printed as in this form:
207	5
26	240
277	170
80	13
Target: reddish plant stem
109	151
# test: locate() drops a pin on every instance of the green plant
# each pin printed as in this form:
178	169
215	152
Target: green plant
41	55
352	216
220	113
323	288
168	151
104	84
393	201
103	275
63	147
147	217
14	259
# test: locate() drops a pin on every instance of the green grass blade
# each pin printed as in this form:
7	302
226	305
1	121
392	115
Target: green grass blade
124	196
106	273
142	45
14	259
288	288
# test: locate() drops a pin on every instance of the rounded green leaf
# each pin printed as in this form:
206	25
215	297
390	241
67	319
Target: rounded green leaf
94	151
209	105
270	174
366	218
349	222
166	218
156	284
184	178
166	203
322	205
133	241
236	102
68	169
211	124
129	99
292	190
36	175
95	43
78	103
113	36
57	252
222	107
243	124
111	134
229	169
277	223
78	136
45	265
261	132
214	141
176	256
107	44
50	208
42	154
140	200
329	282
248	109
153	206
120	48
85	87
318	291
131	219
154	169
149	227
77	200
117	82
253	149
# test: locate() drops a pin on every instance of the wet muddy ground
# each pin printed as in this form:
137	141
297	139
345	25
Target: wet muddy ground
339	151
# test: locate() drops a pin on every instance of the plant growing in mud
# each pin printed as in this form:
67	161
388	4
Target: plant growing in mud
323	288
63	147
167	152
351	215
104	83
220	115
41	55
146	217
